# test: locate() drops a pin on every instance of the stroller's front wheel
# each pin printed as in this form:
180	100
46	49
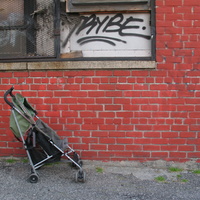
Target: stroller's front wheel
33	178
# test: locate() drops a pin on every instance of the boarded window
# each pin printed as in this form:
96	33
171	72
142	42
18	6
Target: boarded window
110	29
104	5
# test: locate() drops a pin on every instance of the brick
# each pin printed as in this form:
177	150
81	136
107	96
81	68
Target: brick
186	148
194	155
133	147
52	114
89	140
95	94
107	140
60	107
177	141
55	73
116	147
132	94
177	154
142	141
98	147
124	141
160	141
107	87
113	94
159	155
113	107
94	107
120	100
193	141
107	114
37	74
179	128
89	87
107	127
93	121
89	154
134	134
141	154
69	100
77	107
143	127
194	114
125	127
85	100
104	73
123	155
21	74
169	148
124	87
170	135
151	147
122	73
69	114
100	134
124	114
72	87
88	114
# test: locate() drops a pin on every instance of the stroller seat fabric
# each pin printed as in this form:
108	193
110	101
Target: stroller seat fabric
49	132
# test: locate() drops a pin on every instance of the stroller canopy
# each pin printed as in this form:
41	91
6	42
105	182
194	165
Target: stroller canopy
24	118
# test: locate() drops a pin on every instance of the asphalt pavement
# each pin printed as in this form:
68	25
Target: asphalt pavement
104	181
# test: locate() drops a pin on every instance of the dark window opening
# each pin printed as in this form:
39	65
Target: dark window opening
27	29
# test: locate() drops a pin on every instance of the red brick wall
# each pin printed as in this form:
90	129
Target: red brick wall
123	114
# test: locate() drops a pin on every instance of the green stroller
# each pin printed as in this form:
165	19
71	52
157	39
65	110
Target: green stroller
41	142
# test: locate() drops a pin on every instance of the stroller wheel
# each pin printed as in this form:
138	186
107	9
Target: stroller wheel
33	178
80	176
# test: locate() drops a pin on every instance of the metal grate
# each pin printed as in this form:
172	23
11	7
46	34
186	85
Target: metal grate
27	28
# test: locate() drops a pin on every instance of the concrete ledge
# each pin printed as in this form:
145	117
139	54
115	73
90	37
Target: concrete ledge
13	66
65	65
93	65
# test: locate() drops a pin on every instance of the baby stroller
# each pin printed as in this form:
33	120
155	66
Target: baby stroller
41	143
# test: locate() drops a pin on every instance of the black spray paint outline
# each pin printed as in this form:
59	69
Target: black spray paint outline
88	39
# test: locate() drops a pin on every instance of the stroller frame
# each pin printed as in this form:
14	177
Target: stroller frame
69	152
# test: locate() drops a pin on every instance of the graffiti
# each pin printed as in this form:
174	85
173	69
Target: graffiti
85	40
93	21
110	29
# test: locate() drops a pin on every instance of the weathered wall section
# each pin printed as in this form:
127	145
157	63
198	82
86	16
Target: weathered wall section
146	114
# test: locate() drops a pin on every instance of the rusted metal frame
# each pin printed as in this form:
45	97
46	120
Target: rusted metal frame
100	2
153	30
57	28
29	7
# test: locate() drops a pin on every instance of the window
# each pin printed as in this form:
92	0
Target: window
27	29
77	30
110	29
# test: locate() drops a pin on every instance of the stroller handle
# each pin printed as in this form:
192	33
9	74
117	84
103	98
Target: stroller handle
9	92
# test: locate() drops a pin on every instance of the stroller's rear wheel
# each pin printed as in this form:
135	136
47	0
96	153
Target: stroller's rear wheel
80	176
33	178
